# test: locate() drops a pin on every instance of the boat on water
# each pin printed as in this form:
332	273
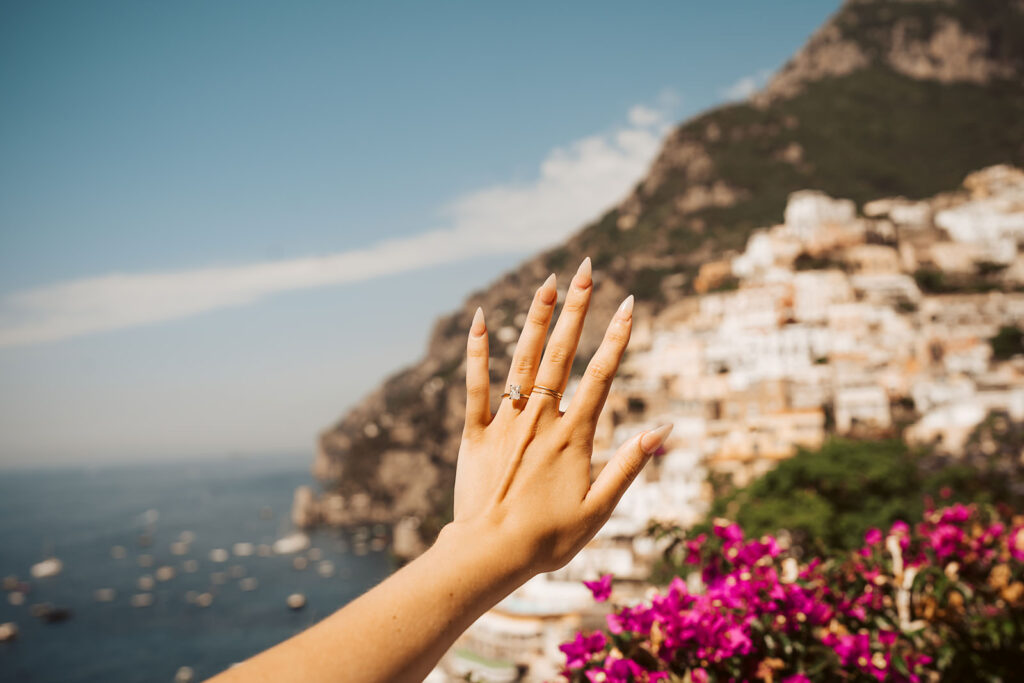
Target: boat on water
49	613
48	567
292	543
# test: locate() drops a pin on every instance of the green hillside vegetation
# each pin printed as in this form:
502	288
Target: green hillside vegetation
826	499
870	134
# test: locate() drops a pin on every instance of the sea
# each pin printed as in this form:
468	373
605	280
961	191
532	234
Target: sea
113	527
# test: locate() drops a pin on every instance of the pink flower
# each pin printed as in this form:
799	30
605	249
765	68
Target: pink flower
901	530
579	651
602	588
617	671
693	549
945	539
1015	543
955	514
730	533
636	619
796	678
873	537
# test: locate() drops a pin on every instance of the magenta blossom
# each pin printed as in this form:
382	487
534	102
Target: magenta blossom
602	588
745	603
1015	543
730	533
579	651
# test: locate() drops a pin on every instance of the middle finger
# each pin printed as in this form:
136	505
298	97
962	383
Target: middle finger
557	363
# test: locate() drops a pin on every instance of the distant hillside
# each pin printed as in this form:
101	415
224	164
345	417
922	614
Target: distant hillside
888	98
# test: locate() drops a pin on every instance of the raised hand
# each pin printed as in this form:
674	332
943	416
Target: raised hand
524	474
524	503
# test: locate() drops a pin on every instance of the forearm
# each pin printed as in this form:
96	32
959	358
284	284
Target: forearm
400	629
523	495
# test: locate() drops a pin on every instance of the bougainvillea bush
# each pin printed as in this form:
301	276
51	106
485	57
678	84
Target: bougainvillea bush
942	599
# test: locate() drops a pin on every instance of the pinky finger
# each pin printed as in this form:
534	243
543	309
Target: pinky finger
623	468
478	381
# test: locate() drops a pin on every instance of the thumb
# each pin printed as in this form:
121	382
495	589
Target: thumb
624	467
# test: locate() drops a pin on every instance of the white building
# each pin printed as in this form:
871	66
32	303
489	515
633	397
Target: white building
865	405
807	211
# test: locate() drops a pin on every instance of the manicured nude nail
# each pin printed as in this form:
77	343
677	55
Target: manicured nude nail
626	308
652	440
548	291
583	274
478	327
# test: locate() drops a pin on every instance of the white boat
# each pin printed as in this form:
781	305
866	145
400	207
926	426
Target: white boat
292	543
244	549
46	568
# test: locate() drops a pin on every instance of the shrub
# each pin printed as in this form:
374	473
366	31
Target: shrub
943	599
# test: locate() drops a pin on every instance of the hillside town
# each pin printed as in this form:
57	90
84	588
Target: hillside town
871	323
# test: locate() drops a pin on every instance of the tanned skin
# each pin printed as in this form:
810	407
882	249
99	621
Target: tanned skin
524	504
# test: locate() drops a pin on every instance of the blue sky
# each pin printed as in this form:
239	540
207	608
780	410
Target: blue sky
222	223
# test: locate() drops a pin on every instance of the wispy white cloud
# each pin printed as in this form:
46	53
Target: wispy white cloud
574	184
747	86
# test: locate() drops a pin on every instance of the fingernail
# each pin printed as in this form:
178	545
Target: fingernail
652	440
583	273
547	290
626	308
478	327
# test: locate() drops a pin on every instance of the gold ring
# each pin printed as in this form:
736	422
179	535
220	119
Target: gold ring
538	389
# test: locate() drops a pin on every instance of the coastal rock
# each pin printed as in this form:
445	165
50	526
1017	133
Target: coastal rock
305	511
923	39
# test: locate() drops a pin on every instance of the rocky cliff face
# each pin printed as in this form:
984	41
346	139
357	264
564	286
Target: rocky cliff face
895	97
941	40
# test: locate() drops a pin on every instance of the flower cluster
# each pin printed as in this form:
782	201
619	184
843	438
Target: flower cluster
943	598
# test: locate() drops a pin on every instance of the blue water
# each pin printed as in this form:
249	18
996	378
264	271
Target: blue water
79	514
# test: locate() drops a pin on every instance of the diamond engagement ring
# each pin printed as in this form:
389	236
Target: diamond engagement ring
515	392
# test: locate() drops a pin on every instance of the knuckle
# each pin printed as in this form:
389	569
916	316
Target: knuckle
629	467
522	365
575	305
558	354
583	439
476	351
538	317
478	391
595	514
618	335
600	370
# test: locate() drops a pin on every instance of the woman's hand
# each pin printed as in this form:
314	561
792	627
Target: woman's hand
523	478
523	504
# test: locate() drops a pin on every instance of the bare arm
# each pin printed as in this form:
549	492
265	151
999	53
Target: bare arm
524	504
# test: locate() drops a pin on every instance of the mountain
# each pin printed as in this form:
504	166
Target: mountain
887	98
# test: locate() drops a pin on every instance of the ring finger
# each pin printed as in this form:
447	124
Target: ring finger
531	340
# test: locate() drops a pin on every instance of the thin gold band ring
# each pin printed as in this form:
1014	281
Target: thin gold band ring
538	389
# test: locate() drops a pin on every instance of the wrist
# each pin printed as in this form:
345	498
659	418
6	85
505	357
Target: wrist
483	549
